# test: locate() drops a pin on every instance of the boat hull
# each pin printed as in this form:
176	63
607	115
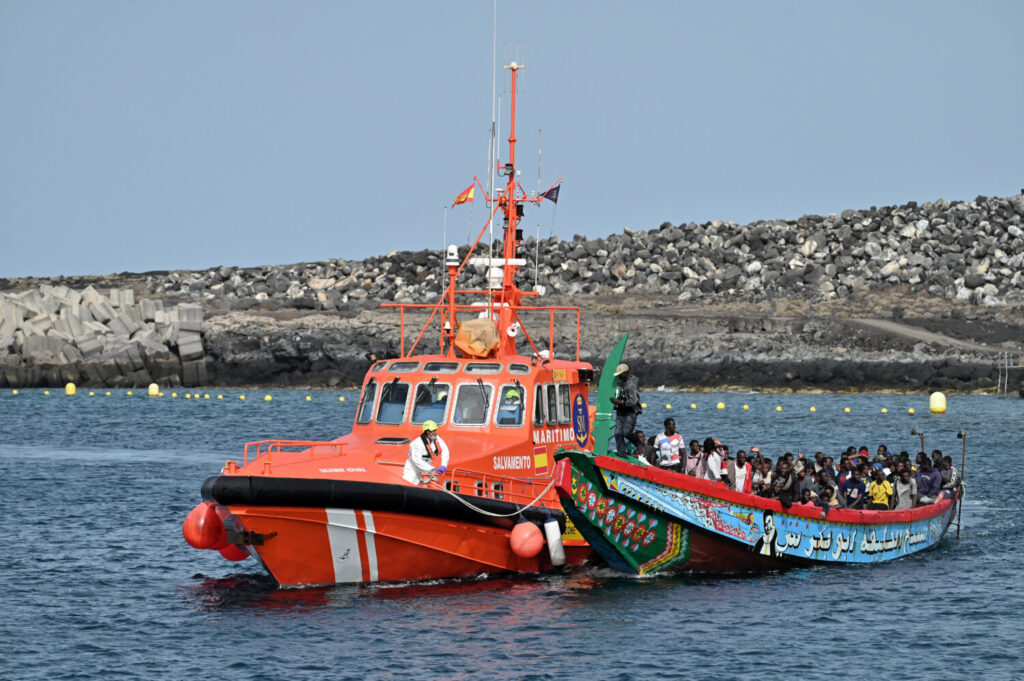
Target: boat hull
721	531
389	533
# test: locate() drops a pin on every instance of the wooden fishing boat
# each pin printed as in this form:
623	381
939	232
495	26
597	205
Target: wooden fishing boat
644	520
343	511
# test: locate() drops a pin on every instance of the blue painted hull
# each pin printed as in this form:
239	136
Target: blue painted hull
730	521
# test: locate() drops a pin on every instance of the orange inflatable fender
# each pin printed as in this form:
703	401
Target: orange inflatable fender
234	553
203	528
526	539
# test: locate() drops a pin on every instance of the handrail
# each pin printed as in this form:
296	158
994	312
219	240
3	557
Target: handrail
312	447
464	307
520	491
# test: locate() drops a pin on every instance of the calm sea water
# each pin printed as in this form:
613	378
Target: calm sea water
97	582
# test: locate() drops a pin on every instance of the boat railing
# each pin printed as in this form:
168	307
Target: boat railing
522	491
476	309
311	448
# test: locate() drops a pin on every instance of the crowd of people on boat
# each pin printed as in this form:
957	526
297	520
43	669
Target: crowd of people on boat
856	481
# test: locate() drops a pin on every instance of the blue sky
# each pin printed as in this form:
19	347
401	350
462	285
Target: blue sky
164	135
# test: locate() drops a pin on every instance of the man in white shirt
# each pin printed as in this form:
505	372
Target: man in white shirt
668	444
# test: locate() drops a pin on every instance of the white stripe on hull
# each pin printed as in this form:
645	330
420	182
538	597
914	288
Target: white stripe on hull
371	545
342	532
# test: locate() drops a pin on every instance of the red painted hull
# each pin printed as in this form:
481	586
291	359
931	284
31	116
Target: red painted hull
304	546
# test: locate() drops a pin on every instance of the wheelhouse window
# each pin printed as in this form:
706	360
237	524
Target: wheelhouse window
552	404
483	368
430	402
393	399
538	406
404	367
519	368
365	412
441	367
471	404
564	409
378	366
511	404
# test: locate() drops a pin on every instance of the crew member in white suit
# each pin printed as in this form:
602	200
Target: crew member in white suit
421	452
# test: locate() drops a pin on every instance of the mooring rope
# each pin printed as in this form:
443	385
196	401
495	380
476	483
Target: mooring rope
435	485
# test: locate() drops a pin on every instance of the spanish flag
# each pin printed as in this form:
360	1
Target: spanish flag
540	460
466	196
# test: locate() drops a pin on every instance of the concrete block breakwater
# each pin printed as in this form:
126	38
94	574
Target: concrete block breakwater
53	335
971	251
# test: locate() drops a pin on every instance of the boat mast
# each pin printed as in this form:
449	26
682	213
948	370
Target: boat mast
509	201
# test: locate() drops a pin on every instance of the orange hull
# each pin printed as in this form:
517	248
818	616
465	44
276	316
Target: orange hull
303	546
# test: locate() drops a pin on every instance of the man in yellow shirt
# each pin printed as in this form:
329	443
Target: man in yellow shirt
879	492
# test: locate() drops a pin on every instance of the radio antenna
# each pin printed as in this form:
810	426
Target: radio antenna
536	244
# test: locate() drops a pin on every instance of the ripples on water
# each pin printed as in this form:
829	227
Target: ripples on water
99	584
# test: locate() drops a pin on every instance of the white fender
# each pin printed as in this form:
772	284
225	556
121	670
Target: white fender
555	547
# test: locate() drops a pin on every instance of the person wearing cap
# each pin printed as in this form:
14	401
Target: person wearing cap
421	453
627	406
510	411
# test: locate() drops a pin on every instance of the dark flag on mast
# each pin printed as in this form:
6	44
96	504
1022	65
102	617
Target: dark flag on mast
552	194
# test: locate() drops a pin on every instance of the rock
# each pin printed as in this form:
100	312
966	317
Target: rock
812	244
889	269
974	280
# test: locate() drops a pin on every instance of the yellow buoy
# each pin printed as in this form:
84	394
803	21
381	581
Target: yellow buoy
341	398
46	392
267	398
308	398
693	405
129	393
847	410
70	389
668	406
884	410
813	409
241	397
188	396
91	393
937	403
174	394
720	405
159	394
14	392
220	397
778	408
746	407
107	393
206	396
643	405
153	390
910	411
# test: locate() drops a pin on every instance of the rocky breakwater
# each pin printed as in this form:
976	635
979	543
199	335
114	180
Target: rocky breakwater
905	297
52	335
953	250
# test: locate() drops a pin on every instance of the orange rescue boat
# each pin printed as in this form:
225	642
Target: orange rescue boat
341	511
